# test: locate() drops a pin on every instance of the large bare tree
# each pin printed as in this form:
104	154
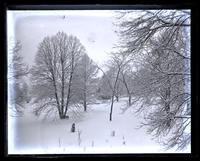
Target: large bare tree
160	39
56	60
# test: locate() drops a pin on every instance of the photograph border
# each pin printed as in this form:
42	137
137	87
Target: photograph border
194	72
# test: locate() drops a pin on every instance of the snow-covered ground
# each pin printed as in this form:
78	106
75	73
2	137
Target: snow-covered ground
94	133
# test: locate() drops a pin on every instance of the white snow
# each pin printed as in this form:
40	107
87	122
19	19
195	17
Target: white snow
97	133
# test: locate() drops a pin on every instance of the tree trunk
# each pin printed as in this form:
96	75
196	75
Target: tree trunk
111	109
168	93
129	100
68	94
62	87
113	94
117	92
127	89
56	96
167	103
85	87
85	98
70	82
85	105
117	98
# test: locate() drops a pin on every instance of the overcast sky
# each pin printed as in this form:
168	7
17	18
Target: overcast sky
94	28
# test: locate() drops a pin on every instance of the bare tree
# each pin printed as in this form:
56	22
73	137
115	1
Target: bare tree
127	78
118	61
16	67
114	89
84	85
56	61
161	40
17	70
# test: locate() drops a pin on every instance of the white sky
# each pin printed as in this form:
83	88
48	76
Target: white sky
94	28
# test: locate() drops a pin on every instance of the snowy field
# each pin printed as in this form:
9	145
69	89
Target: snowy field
94	133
